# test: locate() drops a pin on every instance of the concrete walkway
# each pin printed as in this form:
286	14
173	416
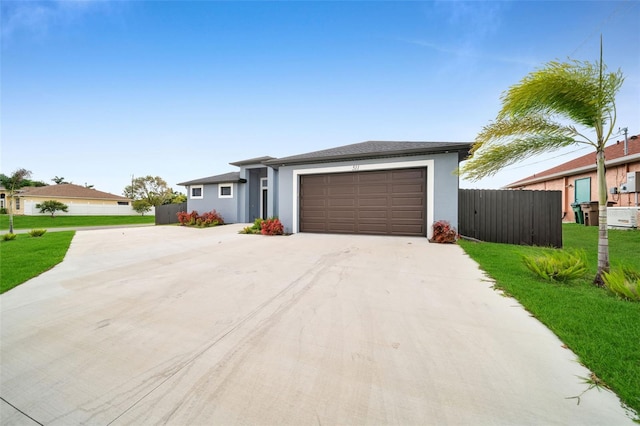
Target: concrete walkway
180	326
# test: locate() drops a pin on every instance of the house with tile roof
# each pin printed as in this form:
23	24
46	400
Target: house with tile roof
578	181
80	200
374	187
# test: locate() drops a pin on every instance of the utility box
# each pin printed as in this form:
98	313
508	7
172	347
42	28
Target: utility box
632	184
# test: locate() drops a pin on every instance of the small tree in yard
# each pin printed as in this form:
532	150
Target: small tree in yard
141	206
52	206
540	114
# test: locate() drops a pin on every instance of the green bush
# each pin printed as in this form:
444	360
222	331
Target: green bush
37	232
256	228
9	237
558	265
623	282
3	210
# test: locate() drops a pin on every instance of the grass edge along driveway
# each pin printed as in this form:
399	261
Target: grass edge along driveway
601	329
27	257
36	222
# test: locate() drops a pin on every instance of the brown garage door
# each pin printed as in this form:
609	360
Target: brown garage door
389	202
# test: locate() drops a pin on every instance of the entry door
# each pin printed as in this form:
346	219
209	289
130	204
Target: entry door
583	190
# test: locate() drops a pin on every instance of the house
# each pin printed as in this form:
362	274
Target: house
375	187
79	199
578	181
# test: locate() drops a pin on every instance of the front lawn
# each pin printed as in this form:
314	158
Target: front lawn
27	257
36	222
603	330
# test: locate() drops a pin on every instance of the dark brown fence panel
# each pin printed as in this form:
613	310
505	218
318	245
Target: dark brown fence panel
512	217
168	213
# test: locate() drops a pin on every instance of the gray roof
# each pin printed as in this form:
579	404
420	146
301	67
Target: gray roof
374	149
256	160
223	178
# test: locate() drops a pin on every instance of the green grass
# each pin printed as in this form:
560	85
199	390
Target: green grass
31	222
26	257
603	330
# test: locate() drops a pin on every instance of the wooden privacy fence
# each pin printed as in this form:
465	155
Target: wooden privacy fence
168	213
512	217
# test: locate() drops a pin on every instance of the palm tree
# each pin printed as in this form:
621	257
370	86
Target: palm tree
544	112
12	184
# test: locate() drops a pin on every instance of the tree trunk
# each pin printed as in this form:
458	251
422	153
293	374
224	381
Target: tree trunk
603	235
10	214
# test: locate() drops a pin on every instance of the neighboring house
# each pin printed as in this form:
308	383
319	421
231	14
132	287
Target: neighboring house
80	200
578	181
388	188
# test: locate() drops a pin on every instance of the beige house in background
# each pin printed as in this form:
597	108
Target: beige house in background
80	200
578	181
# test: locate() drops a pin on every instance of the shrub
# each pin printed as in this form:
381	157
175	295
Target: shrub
557	265
37	232
256	228
271	226
211	218
443	232
623	282
9	237
3	210
52	206
187	219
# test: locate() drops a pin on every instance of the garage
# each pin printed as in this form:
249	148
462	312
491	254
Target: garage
381	202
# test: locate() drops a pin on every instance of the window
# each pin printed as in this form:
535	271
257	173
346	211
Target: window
225	190
17	203
123	203
196	192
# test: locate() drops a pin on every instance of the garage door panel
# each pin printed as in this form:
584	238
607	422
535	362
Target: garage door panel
373	202
373	214
407	188
397	175
342	179
312	180
407	201
373	189
341	190
369	177
342	214
341	227
313	203
341	203
382	202
408	214
408	229
315	214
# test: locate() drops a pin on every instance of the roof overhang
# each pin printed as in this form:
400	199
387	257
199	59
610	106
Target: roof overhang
462	150
572	172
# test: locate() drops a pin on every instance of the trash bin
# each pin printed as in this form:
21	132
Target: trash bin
590	212
577	212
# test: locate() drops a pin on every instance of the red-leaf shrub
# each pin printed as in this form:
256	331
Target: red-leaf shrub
211	218
443	232
271	226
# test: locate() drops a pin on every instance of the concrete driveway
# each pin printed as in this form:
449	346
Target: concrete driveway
171	325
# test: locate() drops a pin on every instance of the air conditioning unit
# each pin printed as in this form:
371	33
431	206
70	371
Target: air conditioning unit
622	217
632	184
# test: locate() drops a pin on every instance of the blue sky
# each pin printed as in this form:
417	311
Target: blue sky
97	91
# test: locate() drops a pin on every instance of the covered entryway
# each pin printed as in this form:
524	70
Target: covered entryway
387	202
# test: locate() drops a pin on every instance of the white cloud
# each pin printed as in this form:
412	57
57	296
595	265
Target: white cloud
39	18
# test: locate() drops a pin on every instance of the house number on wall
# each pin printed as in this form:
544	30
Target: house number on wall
356	167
